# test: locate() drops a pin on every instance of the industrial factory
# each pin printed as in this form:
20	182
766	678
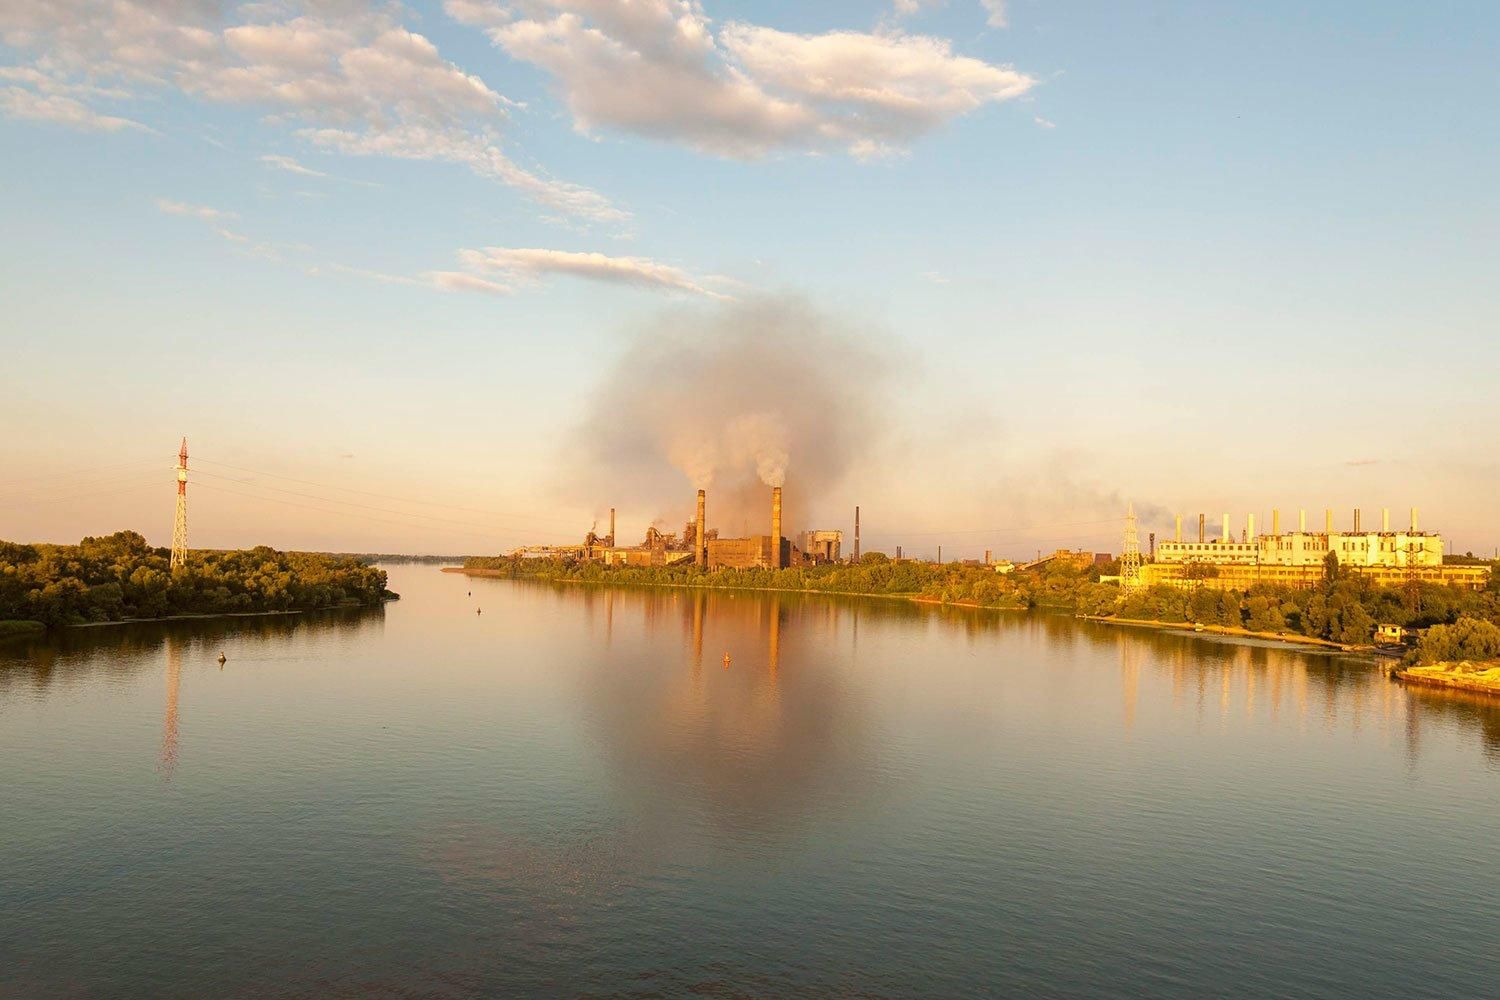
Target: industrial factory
1297	557
701	546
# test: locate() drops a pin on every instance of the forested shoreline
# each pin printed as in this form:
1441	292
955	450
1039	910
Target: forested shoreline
120	577
1344	609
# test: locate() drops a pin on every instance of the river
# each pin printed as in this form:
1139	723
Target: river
575	792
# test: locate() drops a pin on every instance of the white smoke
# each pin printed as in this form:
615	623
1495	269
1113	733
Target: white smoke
732	399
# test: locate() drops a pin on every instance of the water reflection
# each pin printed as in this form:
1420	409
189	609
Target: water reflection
168	759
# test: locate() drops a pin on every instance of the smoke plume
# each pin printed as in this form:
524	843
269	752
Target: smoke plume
732	399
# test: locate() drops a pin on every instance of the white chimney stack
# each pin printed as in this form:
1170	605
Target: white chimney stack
1414	520
1250	527
1385	520
1302	521
1226	529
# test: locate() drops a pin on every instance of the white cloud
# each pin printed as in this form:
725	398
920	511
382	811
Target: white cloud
290	165
319	64
995	9
60	109
657	68
1044	123
521	265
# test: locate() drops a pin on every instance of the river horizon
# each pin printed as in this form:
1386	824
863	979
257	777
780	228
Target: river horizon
514	786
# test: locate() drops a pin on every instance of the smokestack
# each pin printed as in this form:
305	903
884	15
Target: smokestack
611	527
856	533
1385	519
1327	520
1414	520
1302	522
776	527
1152	536
1201	535
1226	529
1275	521
1356	520
940	555
898	553
1179	527
987	559
700	543
1249	527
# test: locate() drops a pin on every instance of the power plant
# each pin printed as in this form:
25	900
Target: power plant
701	545
1297	558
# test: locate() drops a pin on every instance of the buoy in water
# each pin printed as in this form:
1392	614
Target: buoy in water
726	661
222	658
479	611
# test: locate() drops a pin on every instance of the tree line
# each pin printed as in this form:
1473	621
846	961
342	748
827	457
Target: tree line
119	576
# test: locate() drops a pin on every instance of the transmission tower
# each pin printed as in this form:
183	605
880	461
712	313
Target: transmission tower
179	526
1130	557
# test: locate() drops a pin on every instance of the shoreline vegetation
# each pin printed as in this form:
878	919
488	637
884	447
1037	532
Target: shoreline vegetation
1340	614
118	578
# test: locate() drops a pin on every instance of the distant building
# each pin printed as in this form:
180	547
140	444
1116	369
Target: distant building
821	546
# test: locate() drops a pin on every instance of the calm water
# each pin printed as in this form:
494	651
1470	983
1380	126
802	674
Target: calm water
571	793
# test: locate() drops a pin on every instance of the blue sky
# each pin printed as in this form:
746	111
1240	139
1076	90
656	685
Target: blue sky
1205	256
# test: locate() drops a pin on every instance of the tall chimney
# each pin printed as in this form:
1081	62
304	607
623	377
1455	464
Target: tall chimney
700	543
1328	520
1249	527
1302	522
1385	519
987	559
940	555
1356	520
1152	536
1201	536
1275	522
1414	520
856	533
1226	529
898	553
1179	527
775	527
611	527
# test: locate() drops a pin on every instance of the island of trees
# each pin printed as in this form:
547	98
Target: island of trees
119	577
1343	610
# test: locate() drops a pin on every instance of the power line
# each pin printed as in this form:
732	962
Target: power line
77	472
353	503
341	513
387	496
70	497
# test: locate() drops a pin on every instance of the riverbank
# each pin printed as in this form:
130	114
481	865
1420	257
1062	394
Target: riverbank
15	629
209	615
1232	632
1463	676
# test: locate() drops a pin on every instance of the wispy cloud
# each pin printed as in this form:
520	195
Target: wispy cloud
290	165
996	16
1043	122
523	265
60	109
198	211
1363	461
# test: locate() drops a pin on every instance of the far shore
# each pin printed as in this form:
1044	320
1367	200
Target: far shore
1218	630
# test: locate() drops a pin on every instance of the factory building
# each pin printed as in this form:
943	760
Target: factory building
1297	557
773	551
821	546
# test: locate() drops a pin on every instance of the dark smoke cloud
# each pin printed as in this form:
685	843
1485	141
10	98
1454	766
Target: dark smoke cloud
733	399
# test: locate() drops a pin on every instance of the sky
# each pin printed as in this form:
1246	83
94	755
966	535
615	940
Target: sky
392	269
